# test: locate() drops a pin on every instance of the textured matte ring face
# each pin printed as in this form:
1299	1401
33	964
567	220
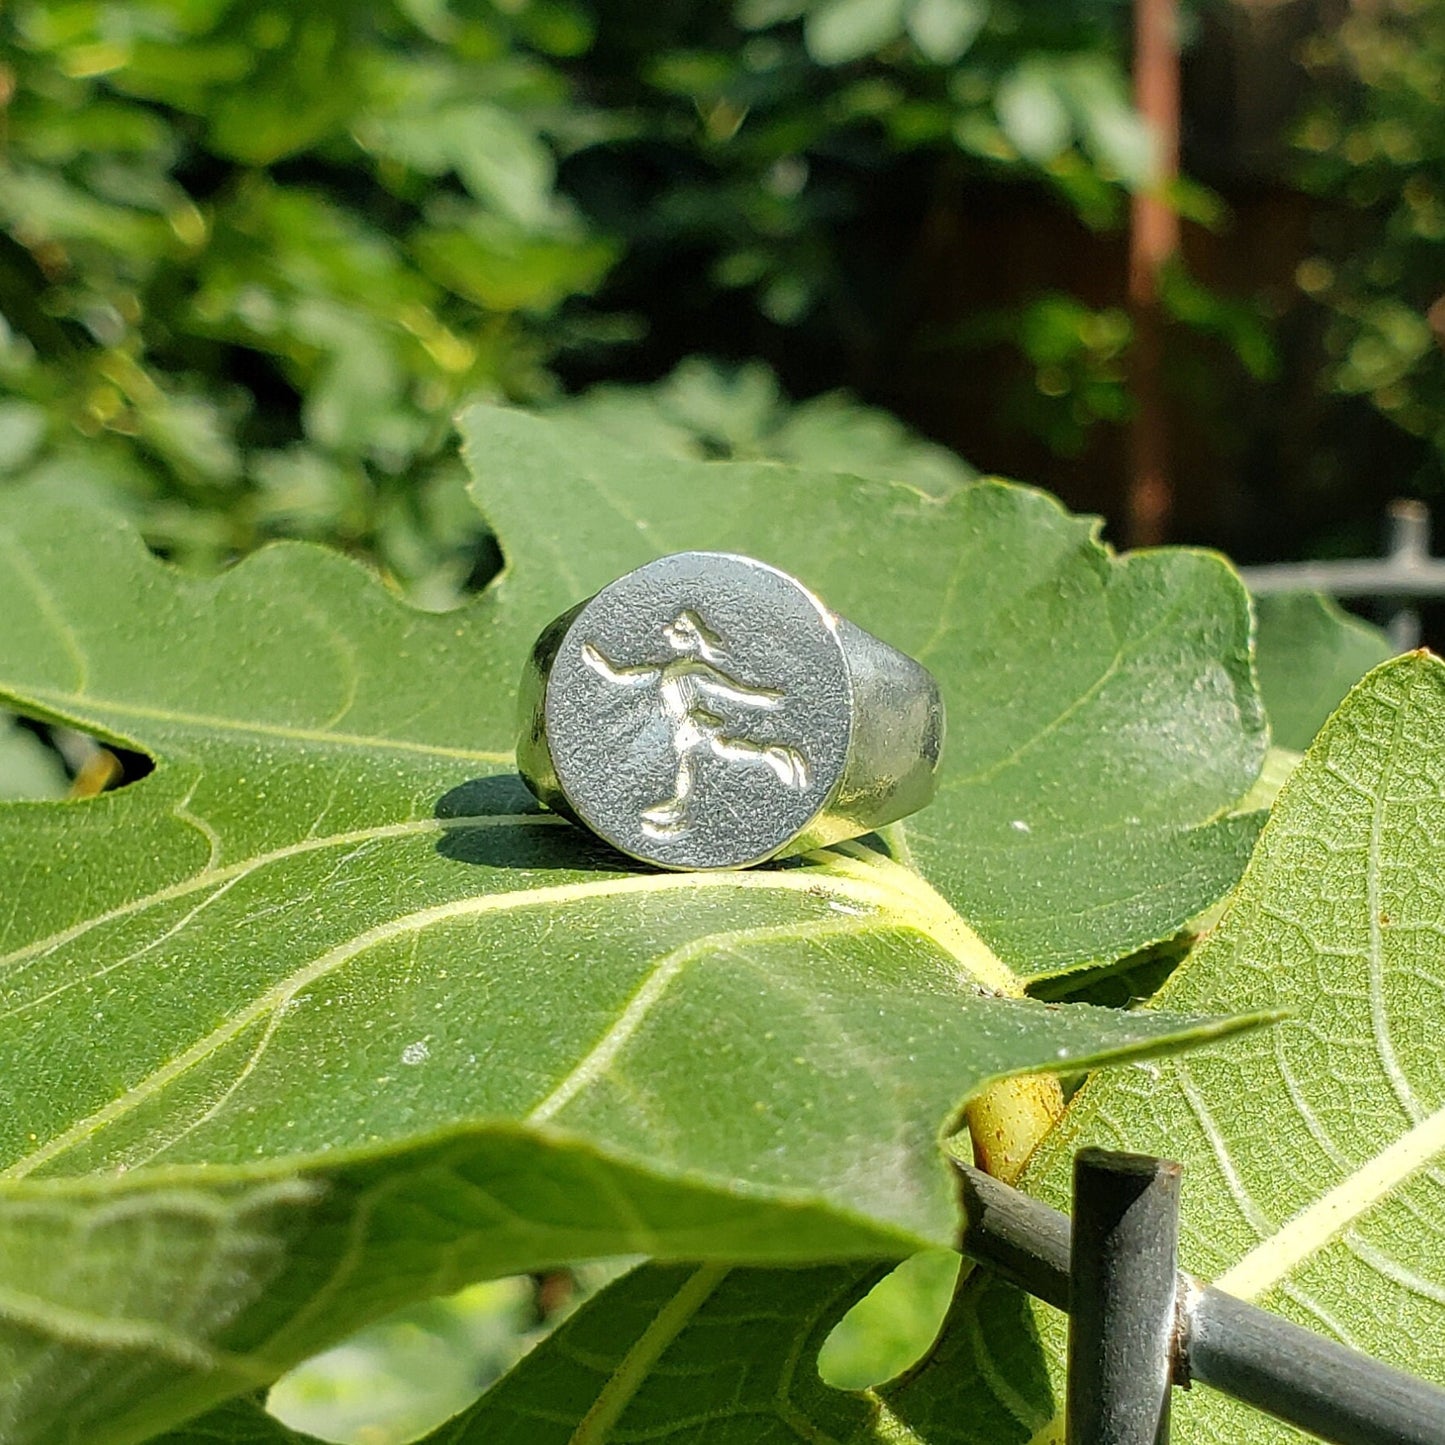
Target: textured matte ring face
699	711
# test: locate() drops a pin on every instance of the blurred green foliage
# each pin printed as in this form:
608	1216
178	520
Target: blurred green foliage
767	126
1374	149
788	186
256	255
1077	358
402	1377
707	411
253	256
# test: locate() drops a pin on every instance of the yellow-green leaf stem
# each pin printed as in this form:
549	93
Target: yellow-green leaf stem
1010	1119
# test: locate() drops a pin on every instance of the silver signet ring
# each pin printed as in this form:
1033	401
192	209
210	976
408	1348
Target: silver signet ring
708	711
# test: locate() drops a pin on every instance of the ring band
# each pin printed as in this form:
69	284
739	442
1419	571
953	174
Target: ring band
708	711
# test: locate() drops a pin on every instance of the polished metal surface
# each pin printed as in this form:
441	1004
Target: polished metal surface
708	711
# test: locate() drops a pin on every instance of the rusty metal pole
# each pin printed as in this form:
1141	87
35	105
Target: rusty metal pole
1153	239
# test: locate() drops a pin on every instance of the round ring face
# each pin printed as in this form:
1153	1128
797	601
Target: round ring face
699	711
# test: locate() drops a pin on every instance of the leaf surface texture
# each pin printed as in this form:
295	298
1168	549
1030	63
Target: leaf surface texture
324	1016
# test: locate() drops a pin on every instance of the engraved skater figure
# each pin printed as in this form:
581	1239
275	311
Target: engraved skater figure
687	685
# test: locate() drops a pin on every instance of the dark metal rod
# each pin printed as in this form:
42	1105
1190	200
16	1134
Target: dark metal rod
1124	1282
1402	626
1337	1393
1312	1382
1406	571
1349	579
1025	1241
1408	543
1407	530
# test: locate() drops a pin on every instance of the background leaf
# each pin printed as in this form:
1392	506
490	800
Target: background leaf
706	411
944	29
1310	653
837	31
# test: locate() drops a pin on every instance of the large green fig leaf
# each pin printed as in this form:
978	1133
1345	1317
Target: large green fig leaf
1310	653
323	1016
1102	714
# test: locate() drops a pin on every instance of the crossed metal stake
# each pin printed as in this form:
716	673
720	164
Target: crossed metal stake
1138	1327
